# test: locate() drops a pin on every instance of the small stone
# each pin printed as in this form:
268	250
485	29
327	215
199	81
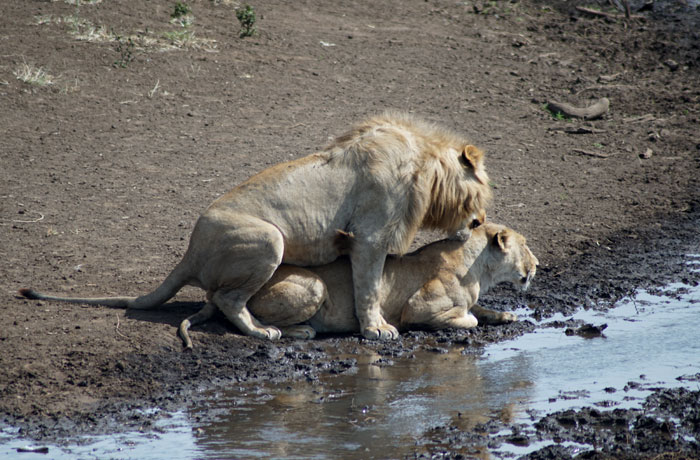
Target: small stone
646	155
671	64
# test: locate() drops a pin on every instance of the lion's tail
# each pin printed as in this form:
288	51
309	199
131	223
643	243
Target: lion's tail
172	284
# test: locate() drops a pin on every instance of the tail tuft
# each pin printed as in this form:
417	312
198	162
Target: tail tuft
29	293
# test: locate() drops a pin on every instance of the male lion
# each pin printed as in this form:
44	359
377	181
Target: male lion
434	287
383	180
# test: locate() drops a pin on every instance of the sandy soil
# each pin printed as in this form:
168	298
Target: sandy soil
104	171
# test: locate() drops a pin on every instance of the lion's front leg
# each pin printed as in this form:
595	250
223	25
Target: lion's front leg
367	268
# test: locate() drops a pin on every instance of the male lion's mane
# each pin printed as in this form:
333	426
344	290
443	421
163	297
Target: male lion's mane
430	170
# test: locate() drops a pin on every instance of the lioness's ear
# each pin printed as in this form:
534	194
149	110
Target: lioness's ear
500	240
471	156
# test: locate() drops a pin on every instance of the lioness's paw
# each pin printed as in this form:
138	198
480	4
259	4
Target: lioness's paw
508	317
299	332
383	332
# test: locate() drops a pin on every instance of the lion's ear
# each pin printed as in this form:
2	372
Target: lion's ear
471	156
500	240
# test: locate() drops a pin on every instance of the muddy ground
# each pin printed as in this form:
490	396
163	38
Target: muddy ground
139	123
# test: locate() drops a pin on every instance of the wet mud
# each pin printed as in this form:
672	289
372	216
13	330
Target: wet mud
666	426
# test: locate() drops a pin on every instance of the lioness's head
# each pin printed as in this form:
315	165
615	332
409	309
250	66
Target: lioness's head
510	258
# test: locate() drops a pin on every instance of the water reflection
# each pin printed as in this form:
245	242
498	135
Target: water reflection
379	412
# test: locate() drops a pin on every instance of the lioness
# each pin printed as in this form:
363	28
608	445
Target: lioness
383	180
434	287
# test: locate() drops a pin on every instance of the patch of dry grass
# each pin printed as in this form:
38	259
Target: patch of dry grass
84	30
33	75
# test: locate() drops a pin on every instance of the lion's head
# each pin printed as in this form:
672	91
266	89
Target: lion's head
459	191
439	173
509	258
450	178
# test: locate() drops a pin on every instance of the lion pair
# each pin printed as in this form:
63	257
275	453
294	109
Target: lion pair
363	197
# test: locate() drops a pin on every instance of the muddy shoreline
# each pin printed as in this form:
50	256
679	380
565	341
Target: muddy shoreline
664	426
105	169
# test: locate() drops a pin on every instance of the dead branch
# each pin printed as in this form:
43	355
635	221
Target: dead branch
588	113
593	12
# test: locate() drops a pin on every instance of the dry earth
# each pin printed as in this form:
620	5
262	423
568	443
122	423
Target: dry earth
139	123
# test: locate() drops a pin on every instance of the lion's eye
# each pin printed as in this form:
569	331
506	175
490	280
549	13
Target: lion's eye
475	223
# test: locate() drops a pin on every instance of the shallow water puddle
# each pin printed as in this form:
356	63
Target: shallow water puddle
381	410
647	342
378	412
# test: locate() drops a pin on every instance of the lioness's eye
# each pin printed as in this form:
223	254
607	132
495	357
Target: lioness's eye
475	223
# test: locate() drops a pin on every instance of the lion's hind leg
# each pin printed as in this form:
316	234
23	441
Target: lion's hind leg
237	255
491	317
233	305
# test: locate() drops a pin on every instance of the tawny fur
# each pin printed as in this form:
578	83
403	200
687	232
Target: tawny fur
436	287
382	181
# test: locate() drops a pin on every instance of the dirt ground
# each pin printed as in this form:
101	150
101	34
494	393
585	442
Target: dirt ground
139	123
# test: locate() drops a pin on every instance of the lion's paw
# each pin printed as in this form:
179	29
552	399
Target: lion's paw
383	332
267	332
273	333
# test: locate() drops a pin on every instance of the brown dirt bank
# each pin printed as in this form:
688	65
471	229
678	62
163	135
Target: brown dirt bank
104	172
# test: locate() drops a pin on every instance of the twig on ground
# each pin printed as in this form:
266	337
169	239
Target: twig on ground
117	328
609	77
640	119
579	130
152	92
593	12
20	221
590	154
598	87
